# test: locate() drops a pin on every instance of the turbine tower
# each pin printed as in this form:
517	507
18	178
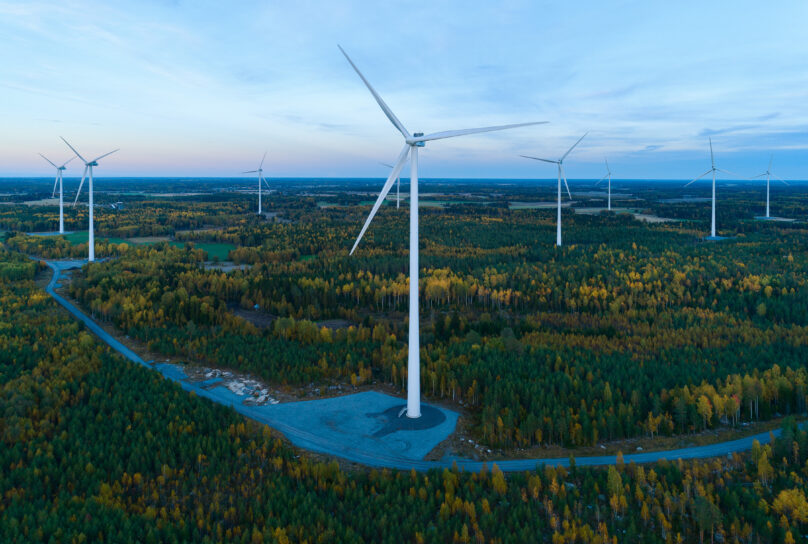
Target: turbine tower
608	175
712	170
260	173
411	144
769	175
58	180
561	174
398	185
88	169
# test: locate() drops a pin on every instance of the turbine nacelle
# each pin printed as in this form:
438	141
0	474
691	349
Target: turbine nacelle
713	169
608	174
58	182
768	173
410	150
418	139
88	173
560	164
62	167
260	172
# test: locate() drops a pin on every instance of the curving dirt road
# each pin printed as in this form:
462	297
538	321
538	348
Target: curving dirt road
306	440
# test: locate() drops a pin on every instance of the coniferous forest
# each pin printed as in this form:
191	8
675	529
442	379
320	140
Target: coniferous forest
633	330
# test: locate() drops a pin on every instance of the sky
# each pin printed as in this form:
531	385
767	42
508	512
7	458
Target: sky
197	88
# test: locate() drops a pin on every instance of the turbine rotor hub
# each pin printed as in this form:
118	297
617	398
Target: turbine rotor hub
418	135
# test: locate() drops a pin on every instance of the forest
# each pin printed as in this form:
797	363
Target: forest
632	329
192	470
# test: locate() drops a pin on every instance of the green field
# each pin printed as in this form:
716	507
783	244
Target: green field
390	200
214	249
324	204
533	205
80	237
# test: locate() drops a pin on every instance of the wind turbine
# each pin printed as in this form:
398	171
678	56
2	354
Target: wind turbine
712	170
88	169
608	175
561	174
260	173
398	185
59	170
411	144
769	175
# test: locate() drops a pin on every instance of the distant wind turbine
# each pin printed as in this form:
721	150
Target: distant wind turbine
260	173
411	144
58	180
769	175
712	170
398	185
608	175
561	174
88	169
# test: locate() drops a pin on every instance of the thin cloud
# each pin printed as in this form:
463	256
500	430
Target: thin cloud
191	76
729	130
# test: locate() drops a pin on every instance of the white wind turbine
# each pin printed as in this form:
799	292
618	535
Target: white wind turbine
712	170
411	144
398	185
260	173
769	175
608	175
561	174
88	169
58	180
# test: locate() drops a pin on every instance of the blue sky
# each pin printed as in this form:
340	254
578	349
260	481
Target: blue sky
203	88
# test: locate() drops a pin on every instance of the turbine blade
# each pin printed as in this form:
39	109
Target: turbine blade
780	179
385	108
262	160
607	166
698	178
759	175
601	179
538	159
266	183
104	155
387	165
465	131
81	184
573	147
250	172
55	182
68	161
771	159
47	159
74	150
563	173
402	158
729	173
712	158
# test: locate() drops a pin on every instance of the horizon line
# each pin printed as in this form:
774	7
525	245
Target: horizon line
343	178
